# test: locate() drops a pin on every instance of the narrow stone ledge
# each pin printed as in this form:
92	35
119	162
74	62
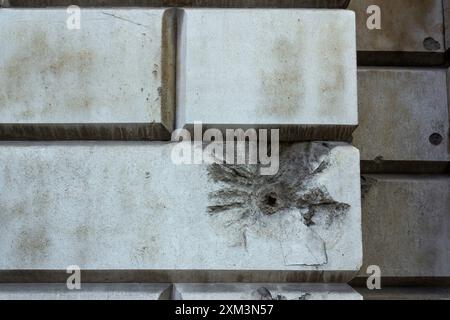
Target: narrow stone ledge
264	291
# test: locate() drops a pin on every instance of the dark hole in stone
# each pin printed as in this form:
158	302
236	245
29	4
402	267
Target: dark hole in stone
270	203
431	44
271	200
436	139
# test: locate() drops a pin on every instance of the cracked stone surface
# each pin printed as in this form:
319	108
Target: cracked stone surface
291	206
114	206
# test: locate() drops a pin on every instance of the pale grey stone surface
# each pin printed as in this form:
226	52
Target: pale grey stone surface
88	291
127	206
403	114
294	69
264	291
406	224
112	78
406	25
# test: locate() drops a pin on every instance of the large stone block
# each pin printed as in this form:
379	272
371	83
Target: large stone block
127	206
289	69
190	3
88	291
111	79
411	32
403	114
405	226
264	291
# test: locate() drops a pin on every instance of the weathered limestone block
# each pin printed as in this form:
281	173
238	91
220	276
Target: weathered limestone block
127	206
88	291
191	3
411	32
111	79
264	291
403	114
288	69
405	225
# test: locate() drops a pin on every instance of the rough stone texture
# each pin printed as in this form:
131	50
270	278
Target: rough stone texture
412	32
189	3
403	114
293	69
406	293
88	291
117	206
406	225
111	79
264	291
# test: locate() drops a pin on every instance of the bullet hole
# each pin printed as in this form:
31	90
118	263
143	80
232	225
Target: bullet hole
436	139
431	44
246	201
270	203
271	200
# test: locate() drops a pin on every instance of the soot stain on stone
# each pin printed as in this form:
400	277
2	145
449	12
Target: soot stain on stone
281	87
36	63
366	184
333	80
33	245
266	204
